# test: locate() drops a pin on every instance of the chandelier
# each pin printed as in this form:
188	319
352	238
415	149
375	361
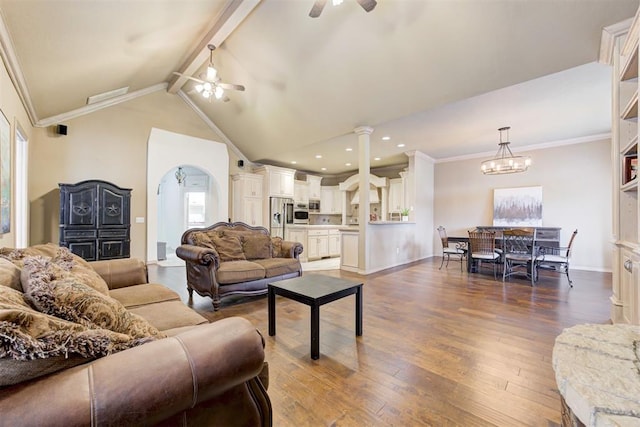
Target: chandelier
180	175
504	161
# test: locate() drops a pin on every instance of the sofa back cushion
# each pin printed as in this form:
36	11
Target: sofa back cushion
229	247
256	246
10	275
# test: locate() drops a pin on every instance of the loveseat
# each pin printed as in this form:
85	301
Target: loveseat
96	344
230	258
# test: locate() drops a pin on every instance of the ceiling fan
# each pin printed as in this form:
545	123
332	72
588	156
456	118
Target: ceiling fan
316	10
210	85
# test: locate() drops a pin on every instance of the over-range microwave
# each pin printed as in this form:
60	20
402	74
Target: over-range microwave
301	213
314	206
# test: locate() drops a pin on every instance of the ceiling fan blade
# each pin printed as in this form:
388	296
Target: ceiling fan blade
316	10
230	86
189	77
367	5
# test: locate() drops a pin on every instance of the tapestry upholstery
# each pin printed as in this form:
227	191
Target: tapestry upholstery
229	247
54	288
9	275
276	247
256	246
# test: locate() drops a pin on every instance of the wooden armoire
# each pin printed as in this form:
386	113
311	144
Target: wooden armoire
95	219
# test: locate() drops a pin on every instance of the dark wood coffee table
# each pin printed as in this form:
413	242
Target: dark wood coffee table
314	290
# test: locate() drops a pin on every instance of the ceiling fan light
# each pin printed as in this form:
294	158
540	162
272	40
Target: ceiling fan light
199	88
337	2
208	86
218	92
212	73
206	94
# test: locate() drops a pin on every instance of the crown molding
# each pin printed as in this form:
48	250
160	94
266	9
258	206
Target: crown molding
532	147
88	109
212	125
12	65
420	154
608	39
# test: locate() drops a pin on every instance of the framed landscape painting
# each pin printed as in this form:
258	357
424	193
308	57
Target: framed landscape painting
517	206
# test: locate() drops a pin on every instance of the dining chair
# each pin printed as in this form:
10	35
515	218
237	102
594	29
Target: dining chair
448	250
520	254
482	248
557	259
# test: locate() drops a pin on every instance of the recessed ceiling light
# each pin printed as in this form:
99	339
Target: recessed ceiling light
386	138
347	164
349	149
293	162
400	145
324	169
376	158
318	156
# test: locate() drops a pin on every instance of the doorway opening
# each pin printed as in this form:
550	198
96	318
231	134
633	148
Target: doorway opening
182	205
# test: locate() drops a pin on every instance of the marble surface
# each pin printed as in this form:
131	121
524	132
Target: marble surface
597	373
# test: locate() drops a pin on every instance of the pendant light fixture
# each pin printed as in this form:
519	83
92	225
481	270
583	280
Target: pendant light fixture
180	175
504	161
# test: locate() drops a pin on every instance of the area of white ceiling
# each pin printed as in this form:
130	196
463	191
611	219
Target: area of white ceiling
439	76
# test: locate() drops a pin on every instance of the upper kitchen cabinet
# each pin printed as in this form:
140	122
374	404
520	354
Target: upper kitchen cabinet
301	191
314	187
278	182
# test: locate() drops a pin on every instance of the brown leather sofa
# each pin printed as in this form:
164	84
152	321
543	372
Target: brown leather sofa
201	374
230	258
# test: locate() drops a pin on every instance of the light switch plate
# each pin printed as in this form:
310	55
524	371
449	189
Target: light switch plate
140	219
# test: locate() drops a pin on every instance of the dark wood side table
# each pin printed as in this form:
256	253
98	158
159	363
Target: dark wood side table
314	290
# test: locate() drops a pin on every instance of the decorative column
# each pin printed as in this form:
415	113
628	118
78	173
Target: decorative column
364	183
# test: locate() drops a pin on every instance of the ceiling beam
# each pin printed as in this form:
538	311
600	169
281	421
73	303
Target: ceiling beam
232	16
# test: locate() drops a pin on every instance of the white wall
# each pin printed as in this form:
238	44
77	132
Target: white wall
576	191
167	150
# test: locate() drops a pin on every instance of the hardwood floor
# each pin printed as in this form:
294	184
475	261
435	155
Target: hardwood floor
439	347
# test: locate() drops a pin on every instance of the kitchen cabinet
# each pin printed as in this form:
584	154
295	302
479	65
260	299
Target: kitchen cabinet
349	256
318	243
247	204
330	200
396	195
314	187
277	182
334	243
625	298
301	191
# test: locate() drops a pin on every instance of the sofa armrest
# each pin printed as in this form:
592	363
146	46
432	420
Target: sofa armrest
120	273
291	249
198	255
143	385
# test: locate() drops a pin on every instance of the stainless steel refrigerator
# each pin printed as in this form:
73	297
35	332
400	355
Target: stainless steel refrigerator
280	215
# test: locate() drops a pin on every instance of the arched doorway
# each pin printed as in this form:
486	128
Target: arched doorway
184	203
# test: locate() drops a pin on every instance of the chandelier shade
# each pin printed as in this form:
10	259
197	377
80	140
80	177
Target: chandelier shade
504	161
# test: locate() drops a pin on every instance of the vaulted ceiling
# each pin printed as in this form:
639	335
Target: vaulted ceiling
439	76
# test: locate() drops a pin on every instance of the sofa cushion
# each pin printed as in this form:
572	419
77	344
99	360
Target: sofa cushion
228	247
279	266
34	344
239	271
10	274
276	247
137	295
202	239
51	289
156	314
256	246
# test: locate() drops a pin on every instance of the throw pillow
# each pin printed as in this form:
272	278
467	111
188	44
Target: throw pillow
34	344
53	290
256	246
64	257
276	247
228	247
202	239
9	275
